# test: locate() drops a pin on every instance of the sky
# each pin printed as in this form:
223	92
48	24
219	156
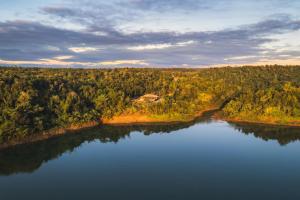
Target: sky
149	33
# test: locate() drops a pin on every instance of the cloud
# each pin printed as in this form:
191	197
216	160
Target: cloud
63	57
164	5
61	61
160	46
82	49
278	25
37	43
95	16
124	62
61	11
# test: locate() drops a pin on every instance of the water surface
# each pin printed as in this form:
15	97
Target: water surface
200	160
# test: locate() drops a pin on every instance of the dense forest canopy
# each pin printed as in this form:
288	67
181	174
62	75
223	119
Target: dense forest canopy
33	100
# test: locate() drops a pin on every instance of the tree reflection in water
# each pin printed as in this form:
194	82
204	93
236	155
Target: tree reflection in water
283	134
29	157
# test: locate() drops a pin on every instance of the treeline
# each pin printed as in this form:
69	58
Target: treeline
33	99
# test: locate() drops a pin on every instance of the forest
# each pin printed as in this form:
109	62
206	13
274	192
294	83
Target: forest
34	100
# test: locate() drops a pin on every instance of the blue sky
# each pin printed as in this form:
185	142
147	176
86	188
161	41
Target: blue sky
149	33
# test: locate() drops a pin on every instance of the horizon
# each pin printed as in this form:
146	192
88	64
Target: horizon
149	33
141	67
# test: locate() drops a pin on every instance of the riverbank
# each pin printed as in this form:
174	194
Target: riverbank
133	119
138	118
125	119
291	124
273	122
55	132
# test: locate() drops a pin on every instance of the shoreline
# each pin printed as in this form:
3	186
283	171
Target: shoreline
129	119
115	121
218	117
136	118
48	134
260	122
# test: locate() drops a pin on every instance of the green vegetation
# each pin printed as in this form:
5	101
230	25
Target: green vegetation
34	100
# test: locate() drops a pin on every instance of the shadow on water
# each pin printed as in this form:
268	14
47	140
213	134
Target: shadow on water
282	134
27	158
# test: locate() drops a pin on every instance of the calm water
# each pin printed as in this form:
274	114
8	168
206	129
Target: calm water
200	160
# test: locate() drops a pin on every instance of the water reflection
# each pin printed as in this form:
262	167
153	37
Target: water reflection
29	157
283	134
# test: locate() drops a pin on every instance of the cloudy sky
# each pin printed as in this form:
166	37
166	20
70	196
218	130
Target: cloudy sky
149	33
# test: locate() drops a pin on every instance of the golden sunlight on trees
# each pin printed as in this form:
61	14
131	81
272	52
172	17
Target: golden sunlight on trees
34	100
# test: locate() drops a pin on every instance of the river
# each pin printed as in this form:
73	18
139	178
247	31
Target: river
204	159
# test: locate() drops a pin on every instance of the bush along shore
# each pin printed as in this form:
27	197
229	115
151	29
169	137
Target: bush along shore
40	102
